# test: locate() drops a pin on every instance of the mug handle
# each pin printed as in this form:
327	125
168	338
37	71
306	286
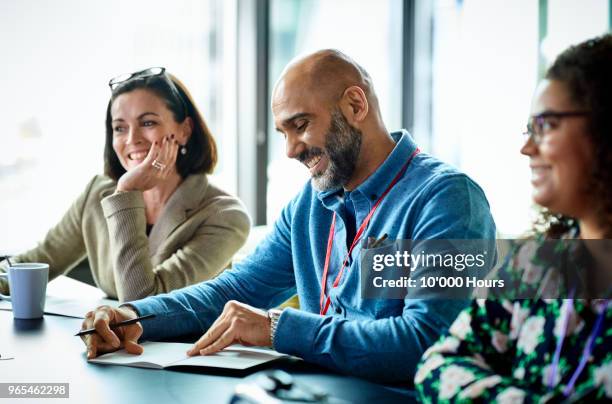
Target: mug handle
5	297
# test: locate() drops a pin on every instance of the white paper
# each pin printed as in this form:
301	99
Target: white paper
159	355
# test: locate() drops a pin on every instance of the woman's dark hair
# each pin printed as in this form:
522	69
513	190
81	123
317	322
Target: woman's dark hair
201	156
586	71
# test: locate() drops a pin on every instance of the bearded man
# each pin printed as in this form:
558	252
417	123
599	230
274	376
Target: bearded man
367	184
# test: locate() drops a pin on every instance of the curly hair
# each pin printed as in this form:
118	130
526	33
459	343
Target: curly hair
586	71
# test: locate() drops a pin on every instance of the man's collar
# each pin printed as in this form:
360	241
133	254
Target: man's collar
374	186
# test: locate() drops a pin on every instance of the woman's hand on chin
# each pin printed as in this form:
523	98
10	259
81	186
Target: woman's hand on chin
159	163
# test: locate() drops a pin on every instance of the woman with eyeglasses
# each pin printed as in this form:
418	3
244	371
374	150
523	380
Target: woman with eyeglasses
153	223
547	337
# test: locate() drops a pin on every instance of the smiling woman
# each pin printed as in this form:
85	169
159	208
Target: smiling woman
153	223
548	347
561	154
570	146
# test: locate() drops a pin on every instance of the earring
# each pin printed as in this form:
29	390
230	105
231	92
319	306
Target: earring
183	150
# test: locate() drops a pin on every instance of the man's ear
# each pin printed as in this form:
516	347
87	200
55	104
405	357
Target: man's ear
186	130
354	105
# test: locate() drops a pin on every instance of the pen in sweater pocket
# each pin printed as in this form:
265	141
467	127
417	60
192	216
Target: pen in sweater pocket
379	241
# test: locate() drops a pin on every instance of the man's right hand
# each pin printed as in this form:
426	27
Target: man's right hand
107	340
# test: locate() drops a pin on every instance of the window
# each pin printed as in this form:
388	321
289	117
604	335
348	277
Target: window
368	31
485	59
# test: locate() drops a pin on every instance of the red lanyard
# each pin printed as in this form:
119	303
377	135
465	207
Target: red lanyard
325	301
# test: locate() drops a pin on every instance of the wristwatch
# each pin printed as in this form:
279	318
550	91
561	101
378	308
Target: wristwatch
273	315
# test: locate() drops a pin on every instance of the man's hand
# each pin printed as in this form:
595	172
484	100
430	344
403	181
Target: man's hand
239	323
107	340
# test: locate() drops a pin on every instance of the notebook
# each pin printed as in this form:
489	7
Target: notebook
164	355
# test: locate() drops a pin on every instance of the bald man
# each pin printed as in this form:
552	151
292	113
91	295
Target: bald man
366	183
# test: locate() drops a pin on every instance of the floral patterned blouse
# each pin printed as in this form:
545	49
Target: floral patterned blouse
503	349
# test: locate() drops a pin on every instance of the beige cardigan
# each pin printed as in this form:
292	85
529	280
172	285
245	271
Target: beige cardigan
194	239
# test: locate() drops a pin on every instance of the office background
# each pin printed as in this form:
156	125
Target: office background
458	74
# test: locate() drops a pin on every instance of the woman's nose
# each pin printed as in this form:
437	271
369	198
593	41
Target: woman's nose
133	136
529	148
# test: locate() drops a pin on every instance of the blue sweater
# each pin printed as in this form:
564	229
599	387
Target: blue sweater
381	339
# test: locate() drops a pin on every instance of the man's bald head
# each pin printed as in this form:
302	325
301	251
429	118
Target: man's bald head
325	107
326	74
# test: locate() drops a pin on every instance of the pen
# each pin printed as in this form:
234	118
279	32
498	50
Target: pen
379	241
6	257
117	325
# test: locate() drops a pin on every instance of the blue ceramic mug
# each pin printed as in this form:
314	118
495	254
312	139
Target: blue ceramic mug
28	285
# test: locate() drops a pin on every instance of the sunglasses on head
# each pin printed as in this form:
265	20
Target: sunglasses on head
123	78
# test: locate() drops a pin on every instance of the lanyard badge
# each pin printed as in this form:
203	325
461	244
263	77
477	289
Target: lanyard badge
324	300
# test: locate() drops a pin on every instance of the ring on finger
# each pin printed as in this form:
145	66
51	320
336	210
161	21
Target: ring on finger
158	165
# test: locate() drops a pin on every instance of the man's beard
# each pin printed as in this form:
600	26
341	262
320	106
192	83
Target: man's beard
342	147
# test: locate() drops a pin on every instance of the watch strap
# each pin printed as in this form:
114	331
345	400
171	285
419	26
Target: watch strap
274	316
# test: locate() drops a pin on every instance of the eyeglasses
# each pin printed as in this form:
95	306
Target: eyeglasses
543	123
150	72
